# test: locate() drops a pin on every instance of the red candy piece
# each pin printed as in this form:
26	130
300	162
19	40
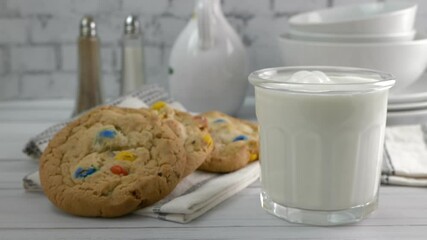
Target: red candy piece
118	170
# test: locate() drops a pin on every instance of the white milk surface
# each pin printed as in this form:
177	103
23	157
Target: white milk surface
321	151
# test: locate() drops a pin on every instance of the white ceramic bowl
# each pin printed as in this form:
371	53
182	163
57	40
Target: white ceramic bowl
369	18
352	38
405	60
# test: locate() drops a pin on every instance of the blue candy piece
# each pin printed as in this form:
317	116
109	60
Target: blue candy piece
90	171
219	120
107	133
240	138
78	172
82	173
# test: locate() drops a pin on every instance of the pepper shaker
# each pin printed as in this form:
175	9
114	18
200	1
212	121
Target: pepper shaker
89	89
133	56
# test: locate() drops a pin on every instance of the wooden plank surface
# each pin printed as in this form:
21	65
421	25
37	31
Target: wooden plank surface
231	232
402	212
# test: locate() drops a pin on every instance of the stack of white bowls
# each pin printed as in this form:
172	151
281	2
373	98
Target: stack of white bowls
378	35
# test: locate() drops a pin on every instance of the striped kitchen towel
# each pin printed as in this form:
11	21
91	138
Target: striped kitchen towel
405	156
196	194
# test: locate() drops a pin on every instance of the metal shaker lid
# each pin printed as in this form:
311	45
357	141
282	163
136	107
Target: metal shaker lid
87	27
132	25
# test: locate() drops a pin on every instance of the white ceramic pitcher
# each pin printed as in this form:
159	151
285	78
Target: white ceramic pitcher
208	63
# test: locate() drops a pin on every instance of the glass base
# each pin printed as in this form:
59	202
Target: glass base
320	218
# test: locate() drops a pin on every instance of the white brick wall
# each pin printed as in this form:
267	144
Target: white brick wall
32	58
3	58
13	31
69	58
253	7
53	29
38	54
29	8
34	85
9	87
298	6
141	6
181	8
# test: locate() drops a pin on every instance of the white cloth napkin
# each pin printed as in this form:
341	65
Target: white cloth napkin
405	156
199	192
194	195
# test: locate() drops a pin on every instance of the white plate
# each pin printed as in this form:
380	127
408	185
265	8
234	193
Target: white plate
406	117
407	106
416	92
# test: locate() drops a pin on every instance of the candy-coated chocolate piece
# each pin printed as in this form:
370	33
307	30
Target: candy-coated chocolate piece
82	173
240	138
118	170
208	139
158	105
107	133
202	122
253	157
219	120
125	156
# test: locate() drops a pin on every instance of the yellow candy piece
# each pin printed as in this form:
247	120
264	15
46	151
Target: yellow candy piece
125	156
158	105
208	139
253	157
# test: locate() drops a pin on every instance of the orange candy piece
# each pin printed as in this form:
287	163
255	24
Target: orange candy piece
118	170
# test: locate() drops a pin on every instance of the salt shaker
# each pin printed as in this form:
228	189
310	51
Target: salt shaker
89	89
133	56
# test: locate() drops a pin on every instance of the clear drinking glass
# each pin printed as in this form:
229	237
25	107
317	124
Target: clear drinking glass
321	144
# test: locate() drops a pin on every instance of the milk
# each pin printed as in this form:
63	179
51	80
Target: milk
321	151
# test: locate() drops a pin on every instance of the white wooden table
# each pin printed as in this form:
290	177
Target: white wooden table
402	212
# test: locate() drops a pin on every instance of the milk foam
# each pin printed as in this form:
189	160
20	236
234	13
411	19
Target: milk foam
310	77
319	77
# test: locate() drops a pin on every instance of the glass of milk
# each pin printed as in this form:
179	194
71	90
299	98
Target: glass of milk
321	139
